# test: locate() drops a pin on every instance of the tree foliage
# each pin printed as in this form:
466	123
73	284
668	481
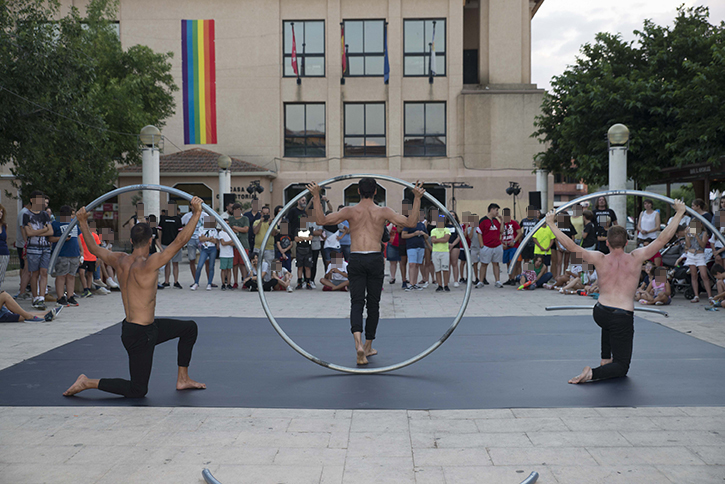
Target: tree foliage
72	99
667	86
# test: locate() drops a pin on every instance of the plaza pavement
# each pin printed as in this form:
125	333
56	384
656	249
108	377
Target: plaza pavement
257	445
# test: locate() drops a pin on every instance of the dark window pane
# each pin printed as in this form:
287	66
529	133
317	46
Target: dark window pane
374	36
354	119
375	119
294	147
354	36
316	119
356	66
413	146
314	38
435	146
413	36
375	147
354	146
295	119
314	66
374	65
435	118
415	66
414	119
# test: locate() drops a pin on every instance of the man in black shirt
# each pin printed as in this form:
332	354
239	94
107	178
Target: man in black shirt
589	235
527	225
601	230
303	238
601	208
253	215
170	226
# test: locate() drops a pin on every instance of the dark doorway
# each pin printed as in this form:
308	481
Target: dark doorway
470	66
438	192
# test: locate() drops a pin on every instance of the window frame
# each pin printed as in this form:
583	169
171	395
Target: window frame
364	54
305	136
300	56
364	136
424	135
426	54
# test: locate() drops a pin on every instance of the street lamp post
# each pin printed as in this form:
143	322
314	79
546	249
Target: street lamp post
151	144
225	179
618	143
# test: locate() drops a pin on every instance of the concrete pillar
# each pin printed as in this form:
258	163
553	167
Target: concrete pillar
542	185
225	186
151	176
618	181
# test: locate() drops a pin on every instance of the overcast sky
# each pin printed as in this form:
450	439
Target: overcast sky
560	27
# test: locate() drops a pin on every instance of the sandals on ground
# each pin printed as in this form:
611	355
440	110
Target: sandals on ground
695	299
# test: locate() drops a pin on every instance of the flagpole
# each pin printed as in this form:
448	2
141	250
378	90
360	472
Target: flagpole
386	64
430	63
295	65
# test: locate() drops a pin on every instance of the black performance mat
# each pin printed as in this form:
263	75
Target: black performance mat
506	362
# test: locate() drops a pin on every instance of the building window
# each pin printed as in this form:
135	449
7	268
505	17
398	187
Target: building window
304	130
418	36
365	47
352	197
364	129
310	45
425	129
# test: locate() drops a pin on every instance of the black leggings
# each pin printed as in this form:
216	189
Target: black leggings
313	270
365	273
140	341
617	338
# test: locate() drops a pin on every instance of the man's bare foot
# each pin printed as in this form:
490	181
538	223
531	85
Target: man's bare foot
361	359
371	352
190	384
585	376
80	385
606	362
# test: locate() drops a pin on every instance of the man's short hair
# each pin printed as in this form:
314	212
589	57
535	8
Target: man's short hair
698	202
236	206
507	211
718	269
588	214
140	235
531	207
367	187
65	210
492	206
36	193
617	237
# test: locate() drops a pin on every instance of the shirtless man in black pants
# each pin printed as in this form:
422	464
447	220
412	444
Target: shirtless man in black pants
366	268
618	276
141	331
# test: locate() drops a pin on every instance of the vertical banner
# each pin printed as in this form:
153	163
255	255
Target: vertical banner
199	81
386	62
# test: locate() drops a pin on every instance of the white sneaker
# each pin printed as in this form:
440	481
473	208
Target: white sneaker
111	283
424	285
312	285
479	285
290	288
455	284
99	283
194	287
208	287
498	284
102	291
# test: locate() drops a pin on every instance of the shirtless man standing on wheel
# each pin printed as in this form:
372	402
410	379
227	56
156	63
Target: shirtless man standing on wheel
618	275
141	331
366	268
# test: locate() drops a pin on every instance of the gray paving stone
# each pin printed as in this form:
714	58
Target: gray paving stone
379	469
554	412
620	412
251	425
496	413
379	421
694	474
319	425
283	439
613	456
703	411
608	475
714	423
577	439
618	423
674	438
537	456
454	441
444	426
206	456
52	473
711	455
451	457
429	475
323	457
34	454
379	444
548	424
497	474
332	475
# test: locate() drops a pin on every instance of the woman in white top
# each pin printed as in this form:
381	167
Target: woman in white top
648	226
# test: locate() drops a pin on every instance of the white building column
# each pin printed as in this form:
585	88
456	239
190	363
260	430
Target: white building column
542	185
151	141
618	137
225	179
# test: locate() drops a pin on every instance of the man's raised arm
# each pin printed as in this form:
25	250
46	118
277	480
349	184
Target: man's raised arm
160	259
648	252
333	218
590	256
110	258
412	219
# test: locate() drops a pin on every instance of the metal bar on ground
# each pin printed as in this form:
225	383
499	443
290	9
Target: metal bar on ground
533	477
206	474
646	310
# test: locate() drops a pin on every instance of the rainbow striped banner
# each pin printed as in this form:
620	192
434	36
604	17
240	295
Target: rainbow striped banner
199	81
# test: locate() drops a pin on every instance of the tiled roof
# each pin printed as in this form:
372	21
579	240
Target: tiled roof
195	160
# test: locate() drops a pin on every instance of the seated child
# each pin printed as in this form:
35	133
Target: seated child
719	272
572	272
251	281
535	275
645	277
658	291
336	278
281	277
11	312
586	278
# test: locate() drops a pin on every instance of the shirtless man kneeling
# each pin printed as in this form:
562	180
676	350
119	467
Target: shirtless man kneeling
366	267
618	276
141	331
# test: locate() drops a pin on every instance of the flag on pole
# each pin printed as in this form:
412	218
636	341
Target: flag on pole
433	68
342	46
198	81
294	52
386	68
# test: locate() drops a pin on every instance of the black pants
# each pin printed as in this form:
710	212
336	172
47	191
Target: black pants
365	273
266	286
617	338
140	342
313	270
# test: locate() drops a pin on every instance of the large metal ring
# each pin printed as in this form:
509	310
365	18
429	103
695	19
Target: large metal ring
160	188
636	193
384	369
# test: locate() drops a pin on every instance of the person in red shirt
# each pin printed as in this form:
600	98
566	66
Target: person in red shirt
88	268
489	235
510	240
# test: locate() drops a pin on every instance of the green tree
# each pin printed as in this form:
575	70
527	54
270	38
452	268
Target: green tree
668	88
72	99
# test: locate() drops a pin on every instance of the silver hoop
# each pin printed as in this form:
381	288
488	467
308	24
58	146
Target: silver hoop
161	188
645	310
384	369
636	193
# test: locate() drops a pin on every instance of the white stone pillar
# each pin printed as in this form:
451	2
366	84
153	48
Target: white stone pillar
542	185
151	176
225	186
618	181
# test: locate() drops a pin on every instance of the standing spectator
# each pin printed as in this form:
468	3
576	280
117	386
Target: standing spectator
602	209
107	273
193	247
253	215
474	245
259	228
345	240
392	253
415	246
577	222
20	247
155	246
589	235
331	235
695	242
36	225
440	254
316	243
88	268
240	225
490	235
543	241
170	226
717	246
403	246
699	206
137	217
68	260
283	243
303	238
527	225
564	223
228	212
603	224
510	242
648	224
208	240
294	216
336	278
4	250
226	258
454	249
